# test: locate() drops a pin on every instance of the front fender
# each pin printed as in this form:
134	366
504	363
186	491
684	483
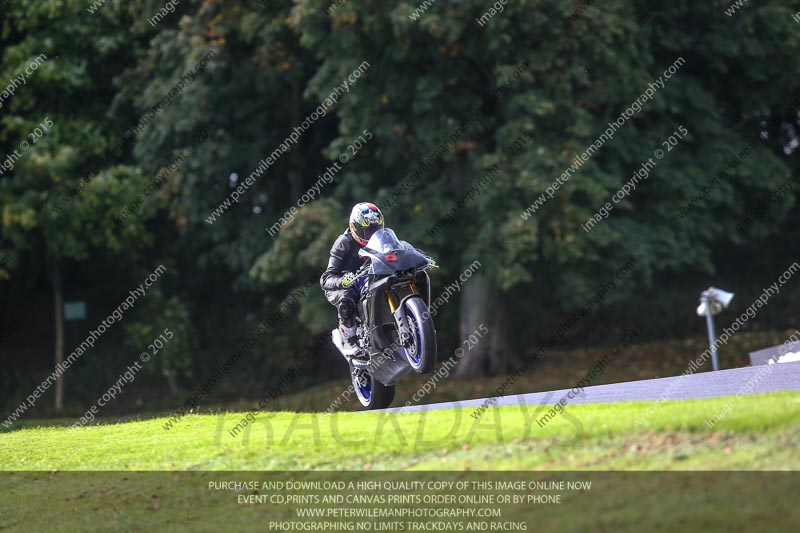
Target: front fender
400	315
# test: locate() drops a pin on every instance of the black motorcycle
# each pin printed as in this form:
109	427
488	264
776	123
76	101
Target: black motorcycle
394	326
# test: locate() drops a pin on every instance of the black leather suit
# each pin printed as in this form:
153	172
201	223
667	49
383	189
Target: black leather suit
344	258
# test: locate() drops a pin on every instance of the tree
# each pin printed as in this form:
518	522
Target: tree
428	77
67	188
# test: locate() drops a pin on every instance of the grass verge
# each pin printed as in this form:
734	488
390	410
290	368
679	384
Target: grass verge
117	477
759	433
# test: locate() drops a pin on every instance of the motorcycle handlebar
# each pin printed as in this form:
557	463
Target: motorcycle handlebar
364	269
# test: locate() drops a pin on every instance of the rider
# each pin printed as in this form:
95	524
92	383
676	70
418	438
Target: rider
338	279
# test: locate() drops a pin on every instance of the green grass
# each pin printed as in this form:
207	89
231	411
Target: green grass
760	433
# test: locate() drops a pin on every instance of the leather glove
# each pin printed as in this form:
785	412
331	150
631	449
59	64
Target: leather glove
348	279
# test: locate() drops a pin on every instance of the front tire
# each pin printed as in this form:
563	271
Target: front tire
420	351
373	394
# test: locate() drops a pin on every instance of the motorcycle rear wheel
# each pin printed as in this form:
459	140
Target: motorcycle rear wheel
375	395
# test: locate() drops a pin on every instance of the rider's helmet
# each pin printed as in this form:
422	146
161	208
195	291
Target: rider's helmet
365	220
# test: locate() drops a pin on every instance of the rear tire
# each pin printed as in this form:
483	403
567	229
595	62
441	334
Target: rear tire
375	395
421	353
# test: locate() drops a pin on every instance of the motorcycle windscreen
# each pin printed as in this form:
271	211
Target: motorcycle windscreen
408	259
384	241
390	255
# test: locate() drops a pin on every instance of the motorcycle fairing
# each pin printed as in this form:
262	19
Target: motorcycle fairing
401	255
393	265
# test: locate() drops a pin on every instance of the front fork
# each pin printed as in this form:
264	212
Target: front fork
399	312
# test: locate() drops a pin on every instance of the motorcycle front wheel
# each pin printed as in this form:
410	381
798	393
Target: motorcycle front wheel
420	350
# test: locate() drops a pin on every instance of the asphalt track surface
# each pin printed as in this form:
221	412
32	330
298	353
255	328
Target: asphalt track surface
748	380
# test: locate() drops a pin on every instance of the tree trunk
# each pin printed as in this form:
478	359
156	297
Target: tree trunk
173	383
58	303
474	310
483	303
499	334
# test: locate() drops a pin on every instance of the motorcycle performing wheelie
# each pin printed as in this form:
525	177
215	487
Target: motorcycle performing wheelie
395	332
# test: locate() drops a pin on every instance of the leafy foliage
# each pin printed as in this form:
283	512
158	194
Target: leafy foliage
446	99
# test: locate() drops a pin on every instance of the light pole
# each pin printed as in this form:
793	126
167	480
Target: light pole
712	302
